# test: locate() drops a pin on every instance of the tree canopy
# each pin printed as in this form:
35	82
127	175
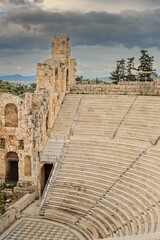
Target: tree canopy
16	88
126	70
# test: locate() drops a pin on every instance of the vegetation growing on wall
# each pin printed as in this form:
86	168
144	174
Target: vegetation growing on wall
4	186
2	206
16	88
82	80
3	200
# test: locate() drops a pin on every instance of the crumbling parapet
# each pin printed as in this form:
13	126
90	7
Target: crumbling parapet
58	73
125	88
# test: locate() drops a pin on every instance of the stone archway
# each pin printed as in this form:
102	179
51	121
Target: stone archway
11	115
12	174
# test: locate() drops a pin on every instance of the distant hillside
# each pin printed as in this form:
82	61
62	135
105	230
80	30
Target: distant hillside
16	88
19	78
105	79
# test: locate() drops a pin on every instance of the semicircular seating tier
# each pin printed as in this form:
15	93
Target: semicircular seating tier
106	185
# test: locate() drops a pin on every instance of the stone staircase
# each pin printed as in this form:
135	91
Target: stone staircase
65	118
61	131
142	121
52	151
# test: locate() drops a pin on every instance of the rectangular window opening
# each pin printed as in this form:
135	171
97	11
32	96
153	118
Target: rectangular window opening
2	143
21	144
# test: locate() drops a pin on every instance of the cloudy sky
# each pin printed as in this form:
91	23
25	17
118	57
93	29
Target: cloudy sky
101	31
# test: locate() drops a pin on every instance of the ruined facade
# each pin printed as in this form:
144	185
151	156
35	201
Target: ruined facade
25	123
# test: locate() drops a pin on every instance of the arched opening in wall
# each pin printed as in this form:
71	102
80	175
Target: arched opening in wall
67	79
12	167
56	79
11	115
45	173
27	164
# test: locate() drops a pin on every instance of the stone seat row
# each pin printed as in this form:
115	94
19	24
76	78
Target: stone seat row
102	150
98	144
141	136
143	126
136	140
113	126
99	117
107	104
116	117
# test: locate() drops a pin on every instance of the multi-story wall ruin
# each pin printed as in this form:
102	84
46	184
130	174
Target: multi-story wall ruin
25	123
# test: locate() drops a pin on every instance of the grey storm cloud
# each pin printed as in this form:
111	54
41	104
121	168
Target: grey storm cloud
118	5
126	1
34	29
21	2
17	2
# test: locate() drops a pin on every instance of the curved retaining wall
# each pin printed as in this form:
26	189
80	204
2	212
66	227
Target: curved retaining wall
14	210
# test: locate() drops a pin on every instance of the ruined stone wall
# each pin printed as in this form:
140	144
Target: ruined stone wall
26	138
14	137
26	123
57	75
127	88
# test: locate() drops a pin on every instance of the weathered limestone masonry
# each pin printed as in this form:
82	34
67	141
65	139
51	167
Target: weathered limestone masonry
128	88
25	123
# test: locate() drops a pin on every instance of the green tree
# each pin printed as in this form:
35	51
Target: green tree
129	70
16	88
145	68
79	79
119	73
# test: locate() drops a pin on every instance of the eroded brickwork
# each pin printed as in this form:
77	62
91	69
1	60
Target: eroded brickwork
124	88
25	123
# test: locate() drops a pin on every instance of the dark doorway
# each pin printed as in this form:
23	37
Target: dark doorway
12	167
45	172
13	173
